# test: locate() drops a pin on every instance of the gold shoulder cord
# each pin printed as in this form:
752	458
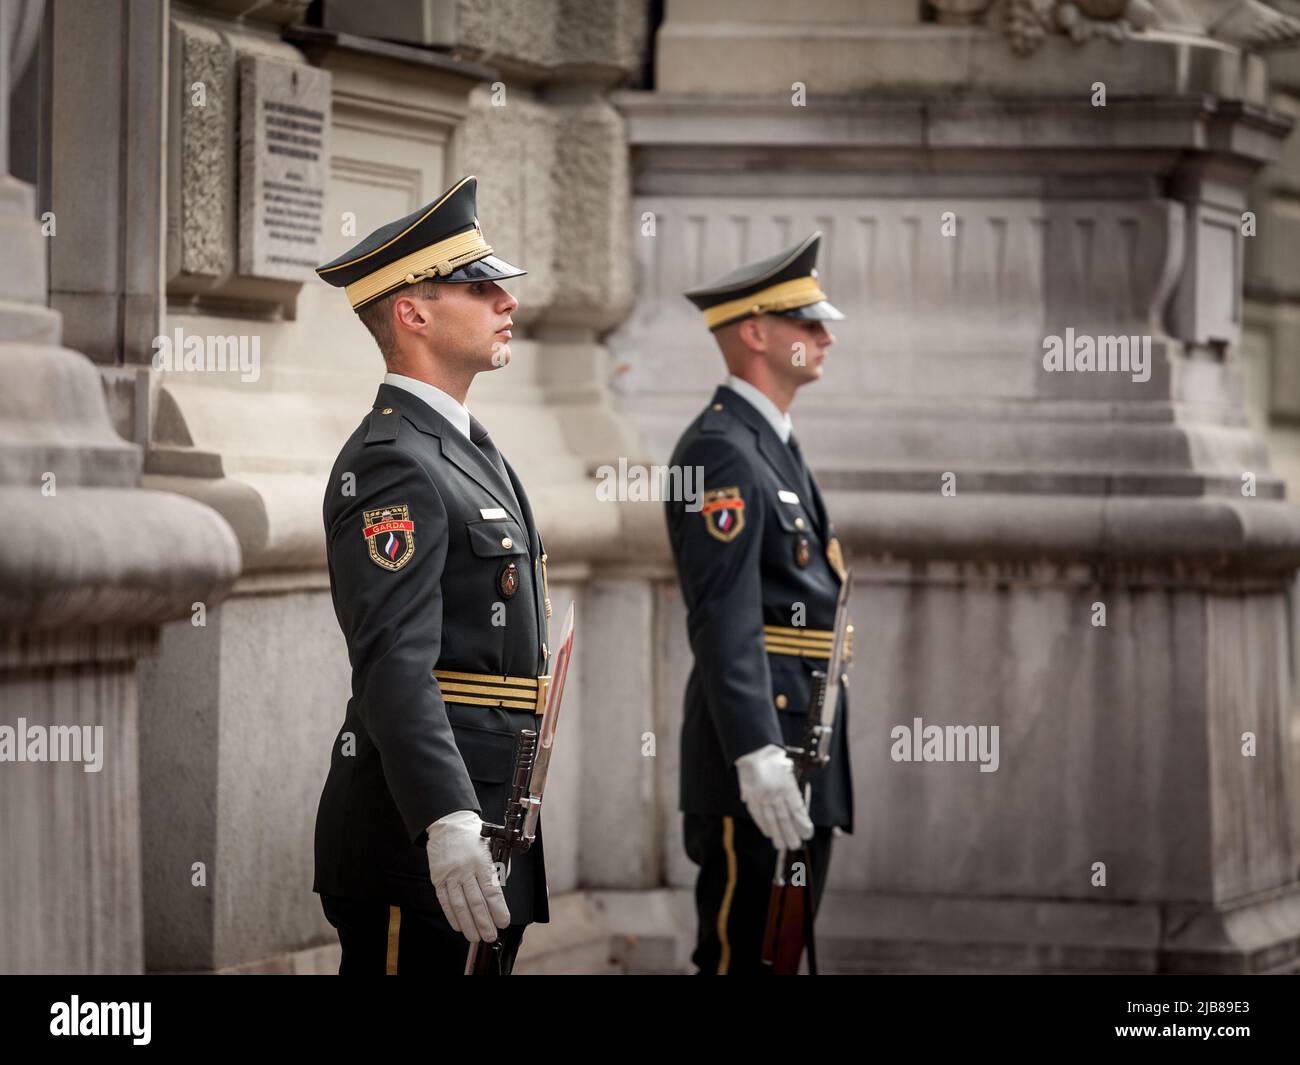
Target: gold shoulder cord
546	599
546	593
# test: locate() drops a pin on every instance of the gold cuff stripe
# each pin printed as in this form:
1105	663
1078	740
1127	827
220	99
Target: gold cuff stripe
486	678
797	652
437	259
806	643
799	292
483	689
509	704
487	689
361	258
823	635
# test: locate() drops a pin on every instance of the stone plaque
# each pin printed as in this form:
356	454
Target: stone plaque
284	111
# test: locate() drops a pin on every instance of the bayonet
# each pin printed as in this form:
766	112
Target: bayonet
528	783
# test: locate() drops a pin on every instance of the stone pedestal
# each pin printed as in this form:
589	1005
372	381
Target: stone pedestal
90	566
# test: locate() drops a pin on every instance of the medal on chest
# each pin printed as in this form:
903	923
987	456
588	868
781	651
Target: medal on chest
508	580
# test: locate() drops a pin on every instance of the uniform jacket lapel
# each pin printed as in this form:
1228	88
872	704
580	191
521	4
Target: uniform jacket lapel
524	505
537	548
777	454
455	446
819	513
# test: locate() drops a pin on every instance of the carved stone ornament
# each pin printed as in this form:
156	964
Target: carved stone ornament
1250	25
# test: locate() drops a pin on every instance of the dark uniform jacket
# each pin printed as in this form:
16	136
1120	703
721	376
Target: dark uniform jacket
418	577
745	561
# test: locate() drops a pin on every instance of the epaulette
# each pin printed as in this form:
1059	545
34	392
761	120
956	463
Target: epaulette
384	423
717	419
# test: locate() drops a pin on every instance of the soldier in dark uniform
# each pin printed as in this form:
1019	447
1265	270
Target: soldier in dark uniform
760	570
438	577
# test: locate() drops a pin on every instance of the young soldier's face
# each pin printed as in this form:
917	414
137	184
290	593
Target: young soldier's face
470	324
797	347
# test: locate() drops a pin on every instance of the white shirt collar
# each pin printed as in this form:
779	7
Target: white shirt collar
455	412
779	422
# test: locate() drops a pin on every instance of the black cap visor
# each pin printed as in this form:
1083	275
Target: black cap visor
489	268
822	309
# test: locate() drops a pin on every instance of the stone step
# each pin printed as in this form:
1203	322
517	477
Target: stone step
606	933
315	961
575	940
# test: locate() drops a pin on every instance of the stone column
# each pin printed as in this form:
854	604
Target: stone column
90	566
1096	563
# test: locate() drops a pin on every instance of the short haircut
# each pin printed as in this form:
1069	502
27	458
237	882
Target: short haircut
378	316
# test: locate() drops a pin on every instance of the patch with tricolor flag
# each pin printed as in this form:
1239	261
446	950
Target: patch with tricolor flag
724	513
390	536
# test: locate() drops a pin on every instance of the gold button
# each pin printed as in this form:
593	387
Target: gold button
782	702
388	410
798	523
507	543
716	406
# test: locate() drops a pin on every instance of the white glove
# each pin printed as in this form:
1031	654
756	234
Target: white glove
770	791
461	868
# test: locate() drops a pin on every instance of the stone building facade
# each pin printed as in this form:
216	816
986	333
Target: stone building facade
1098	563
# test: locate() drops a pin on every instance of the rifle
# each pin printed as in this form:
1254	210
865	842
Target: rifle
519	830
789	908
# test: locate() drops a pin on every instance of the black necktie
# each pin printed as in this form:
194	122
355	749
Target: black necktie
793	443
811	493
480	436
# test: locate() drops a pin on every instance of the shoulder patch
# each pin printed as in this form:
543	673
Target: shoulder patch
383	424
723	510
390	535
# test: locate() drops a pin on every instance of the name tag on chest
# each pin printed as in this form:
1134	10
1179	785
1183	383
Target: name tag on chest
492	513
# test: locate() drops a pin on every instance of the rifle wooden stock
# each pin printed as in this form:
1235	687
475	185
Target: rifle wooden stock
783	938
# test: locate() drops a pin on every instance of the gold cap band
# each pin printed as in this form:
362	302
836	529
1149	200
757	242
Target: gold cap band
436	260
799	292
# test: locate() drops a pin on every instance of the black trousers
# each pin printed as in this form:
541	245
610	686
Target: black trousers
733	888
379	939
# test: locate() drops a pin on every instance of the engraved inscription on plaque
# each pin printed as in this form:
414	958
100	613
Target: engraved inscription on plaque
283	166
